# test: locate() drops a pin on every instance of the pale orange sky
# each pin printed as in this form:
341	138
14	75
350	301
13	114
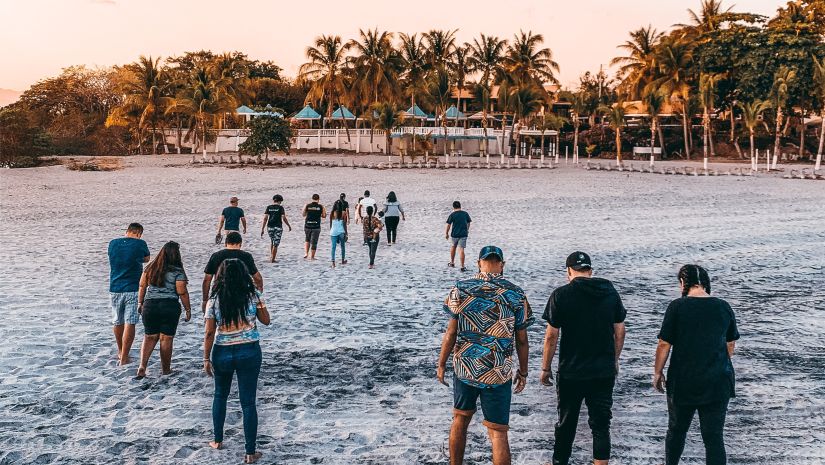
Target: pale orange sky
39	37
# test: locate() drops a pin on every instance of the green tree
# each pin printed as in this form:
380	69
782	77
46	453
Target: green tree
267	133
460	67
324	71
388	117
752	117
819	78
615	115
527	61
145	87
675	59
779	98
487	58
638	67
654	102
707	96
376	65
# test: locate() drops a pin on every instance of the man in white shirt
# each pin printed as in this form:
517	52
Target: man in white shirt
367	201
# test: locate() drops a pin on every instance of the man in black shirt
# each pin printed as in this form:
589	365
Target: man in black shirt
313	213
590	316
274	220
232	250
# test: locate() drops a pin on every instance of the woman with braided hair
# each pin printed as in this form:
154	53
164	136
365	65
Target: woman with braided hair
700	331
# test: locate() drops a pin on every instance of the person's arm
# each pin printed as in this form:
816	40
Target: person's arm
263	225
731	348
142	292
447	231
323	211
259	281
403	215
183	293
551	339
469	223
208	341
243	221
263	313
346	218
447	345
523	351
220	224
286	221
662	353
618	341
304	211
207	283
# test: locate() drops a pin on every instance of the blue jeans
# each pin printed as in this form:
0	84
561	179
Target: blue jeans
339	239
245	359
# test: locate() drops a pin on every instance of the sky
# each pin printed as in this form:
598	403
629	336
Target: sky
40	37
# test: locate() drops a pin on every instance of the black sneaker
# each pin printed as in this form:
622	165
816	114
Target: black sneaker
463	269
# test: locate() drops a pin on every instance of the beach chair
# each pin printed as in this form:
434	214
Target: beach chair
805	175
790	175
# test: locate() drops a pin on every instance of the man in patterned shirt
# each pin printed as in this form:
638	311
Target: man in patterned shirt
489	317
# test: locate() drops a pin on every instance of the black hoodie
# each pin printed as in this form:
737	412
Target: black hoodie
585	310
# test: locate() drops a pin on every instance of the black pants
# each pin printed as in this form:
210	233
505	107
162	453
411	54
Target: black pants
597	394
392	228
373	244
711	424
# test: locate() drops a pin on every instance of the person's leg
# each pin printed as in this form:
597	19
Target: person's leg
712	426
569	405
334	242
117	330
146	349
465	398
131	317
316	234
495	403
452	254
128	340
222	370
461	256
343	249
307	239
679	419
599	401
116	304
166	343
373	250
248	364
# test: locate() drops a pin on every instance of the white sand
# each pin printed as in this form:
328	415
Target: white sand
349	359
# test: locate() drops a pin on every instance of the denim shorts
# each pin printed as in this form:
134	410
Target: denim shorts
495	402
124	308
460	242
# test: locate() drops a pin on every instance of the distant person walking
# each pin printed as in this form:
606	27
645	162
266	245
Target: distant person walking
393	214
372	233
162	291
363	203
701	331
590	315
231	345
234	241
126	258
458	228
231	219
313	213
489	317
345	205
338	231
274	221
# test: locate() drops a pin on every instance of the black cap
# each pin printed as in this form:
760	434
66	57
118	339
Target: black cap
579	261
490	250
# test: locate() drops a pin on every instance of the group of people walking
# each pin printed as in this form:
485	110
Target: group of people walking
489	317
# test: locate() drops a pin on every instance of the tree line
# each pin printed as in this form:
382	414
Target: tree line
765	75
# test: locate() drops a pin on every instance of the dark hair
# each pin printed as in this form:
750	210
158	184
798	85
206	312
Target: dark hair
693	275
391	197
166	259
456	204
278	198
316	197
366	193
370	211
136	228
234	238
338	209
234	291
342	196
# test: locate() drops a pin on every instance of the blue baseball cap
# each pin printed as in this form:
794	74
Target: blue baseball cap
488	250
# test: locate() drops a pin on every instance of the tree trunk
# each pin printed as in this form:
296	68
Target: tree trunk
821	143
705	143
732	125
802	135
776	141
685	132
618	146
653	125
661	140
154	141
753	164
576	134
412	100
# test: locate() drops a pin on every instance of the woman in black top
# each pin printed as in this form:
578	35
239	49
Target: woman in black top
701	331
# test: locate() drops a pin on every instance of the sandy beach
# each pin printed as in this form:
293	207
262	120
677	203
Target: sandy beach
349	360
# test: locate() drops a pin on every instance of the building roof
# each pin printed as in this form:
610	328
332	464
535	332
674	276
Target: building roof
416	112
244	110
306	113
342	113
453	113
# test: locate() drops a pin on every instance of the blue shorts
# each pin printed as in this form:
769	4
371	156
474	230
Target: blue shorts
460	242
124	308
495	402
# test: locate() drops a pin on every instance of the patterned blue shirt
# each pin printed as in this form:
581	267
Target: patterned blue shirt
489	310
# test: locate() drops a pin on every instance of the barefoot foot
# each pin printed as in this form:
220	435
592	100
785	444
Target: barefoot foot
252	458
216	445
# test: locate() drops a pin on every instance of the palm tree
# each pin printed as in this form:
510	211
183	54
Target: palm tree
654	101
525	101
638	67
486	57
707	95
674	58
439	89
708	19
751	117
819	78
324	71
615	117
440	46
779	97
145	89
388	117
376	66
460	67
413	55
525	61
